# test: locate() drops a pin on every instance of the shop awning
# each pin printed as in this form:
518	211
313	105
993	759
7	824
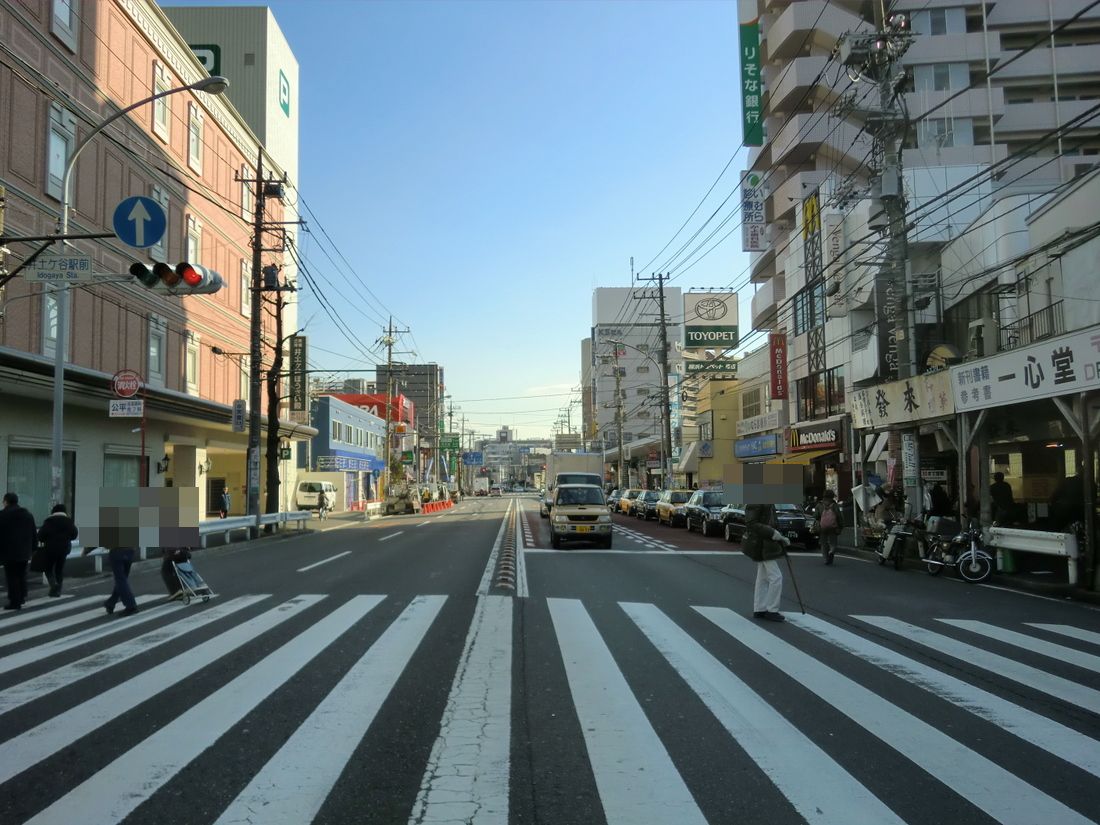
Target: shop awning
801	458
689	460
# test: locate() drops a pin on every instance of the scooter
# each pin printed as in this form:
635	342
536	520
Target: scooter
896	538
965	552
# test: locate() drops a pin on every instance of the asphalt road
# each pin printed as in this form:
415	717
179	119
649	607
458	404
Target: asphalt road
378	673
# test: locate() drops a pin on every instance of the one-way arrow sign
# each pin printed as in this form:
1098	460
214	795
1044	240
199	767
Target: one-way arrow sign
139	222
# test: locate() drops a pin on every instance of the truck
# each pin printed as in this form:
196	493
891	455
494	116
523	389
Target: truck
481	486
402	497
563	462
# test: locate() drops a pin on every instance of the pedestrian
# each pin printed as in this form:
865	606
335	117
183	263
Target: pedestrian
323	504
17	540
57	534
1001	493
226	502
764	545
941	502
830	522
121	559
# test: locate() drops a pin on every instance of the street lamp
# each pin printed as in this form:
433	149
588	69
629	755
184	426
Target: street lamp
666	412
211	85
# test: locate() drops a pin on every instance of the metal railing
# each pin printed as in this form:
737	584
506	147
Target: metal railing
1045	323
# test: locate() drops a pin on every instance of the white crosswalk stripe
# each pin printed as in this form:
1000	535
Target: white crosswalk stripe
31	611
712	658
45	628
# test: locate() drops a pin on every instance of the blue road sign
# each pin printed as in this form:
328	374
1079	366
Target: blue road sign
524	450
139	222
473	459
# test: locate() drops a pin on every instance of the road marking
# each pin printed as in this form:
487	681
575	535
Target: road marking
1031	677
1070	631
117	790
814	783
1055	738
293	785
25	615
58	624
20	694
107	627
521	563
326	561
1005	797
491	566
391	535
1018	592
466	779
429	521
61	731
1040	646
636	779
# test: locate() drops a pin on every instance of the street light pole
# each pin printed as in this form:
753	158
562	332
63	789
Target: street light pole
211	85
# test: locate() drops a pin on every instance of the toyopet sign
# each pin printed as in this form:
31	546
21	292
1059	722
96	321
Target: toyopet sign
753	223
899	402
710	320
818	437
1063	365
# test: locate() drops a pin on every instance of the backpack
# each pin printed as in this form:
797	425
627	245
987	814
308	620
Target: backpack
828	519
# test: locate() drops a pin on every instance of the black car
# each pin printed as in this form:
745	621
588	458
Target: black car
791	520
613	500
704	510
645	506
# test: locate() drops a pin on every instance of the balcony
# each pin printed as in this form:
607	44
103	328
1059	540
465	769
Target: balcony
795	79
954	48
765	302
814	22
811	134
974	103
1036	65
1046	323
790	191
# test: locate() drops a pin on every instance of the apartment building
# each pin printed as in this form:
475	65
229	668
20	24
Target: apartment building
64	68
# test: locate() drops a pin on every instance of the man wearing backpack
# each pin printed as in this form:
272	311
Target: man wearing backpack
829	524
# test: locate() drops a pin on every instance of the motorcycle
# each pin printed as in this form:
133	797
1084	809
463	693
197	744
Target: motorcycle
965	552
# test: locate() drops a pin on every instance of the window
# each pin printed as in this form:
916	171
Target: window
29	473
62	137
809	307
159	251
63	24
643	369
122	471
336	430
706	425
247	204
162	107
821	394
49	323
194	138
193	250
935	131
191	364
158	334
750	403
937	21
643	390
246	288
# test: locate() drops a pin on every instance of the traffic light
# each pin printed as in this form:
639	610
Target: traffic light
183	279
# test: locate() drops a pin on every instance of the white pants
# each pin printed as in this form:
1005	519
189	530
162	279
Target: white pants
769	587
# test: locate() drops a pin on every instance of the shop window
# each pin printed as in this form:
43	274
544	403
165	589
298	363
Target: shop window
29	475
122	470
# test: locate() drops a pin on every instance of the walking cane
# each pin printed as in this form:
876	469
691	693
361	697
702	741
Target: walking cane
798	595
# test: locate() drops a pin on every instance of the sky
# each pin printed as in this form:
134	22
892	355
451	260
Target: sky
485	165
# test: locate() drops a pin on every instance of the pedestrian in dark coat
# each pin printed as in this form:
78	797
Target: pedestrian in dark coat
225	503
764	545
57	534
830	522
17	540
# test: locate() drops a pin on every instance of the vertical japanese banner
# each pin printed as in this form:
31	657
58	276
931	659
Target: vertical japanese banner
298	396
753	222
751	82
777	351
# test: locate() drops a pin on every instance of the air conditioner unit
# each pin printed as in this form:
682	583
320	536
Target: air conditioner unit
981	338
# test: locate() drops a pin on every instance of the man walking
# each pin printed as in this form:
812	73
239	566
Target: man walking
764	545
829	524
57	534
226	502
1000	491
17	538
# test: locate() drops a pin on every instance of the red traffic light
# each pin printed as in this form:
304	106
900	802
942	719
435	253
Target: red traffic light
190	275
184	279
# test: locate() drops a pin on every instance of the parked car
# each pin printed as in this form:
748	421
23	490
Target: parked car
791	520
671	507
579	514
626	503
704	511
613	500
645	505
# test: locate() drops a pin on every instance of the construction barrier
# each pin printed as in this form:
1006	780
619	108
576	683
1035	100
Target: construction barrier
436	506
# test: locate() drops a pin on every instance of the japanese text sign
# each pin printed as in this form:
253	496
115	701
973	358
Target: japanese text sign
1067	364
752	86
753	222
299	400
898	402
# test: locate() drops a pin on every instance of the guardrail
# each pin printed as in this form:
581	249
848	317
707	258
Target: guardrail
1035	541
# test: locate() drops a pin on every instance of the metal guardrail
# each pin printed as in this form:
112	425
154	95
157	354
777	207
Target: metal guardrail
1035	541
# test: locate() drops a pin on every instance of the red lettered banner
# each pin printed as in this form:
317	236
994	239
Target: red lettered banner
777	349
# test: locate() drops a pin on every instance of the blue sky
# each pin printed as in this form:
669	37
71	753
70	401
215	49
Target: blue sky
486	165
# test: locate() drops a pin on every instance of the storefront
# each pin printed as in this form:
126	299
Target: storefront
818	446
758	448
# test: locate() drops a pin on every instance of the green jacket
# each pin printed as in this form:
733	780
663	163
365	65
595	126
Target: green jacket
759	542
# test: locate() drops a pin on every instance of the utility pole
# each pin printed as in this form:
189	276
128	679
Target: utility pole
388	340
666	401
255	349
619	419
876	57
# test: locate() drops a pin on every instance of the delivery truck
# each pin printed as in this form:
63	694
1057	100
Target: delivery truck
481	486
570	468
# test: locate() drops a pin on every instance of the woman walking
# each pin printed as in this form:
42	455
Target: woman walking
764	545
57	534
829	524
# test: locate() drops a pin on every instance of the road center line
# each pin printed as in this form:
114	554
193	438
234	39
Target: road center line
391	535
487	576
324	561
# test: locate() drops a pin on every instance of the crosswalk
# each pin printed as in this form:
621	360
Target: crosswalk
827	719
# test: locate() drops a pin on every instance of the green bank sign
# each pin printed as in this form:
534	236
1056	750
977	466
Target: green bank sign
751	84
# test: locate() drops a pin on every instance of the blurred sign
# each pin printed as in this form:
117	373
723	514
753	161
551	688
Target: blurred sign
473	459
126	408
449	441
567	441
239	416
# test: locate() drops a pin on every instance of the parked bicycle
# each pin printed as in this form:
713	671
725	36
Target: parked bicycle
897	537
965	552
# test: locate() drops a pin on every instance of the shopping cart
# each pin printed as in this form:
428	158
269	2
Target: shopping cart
192	585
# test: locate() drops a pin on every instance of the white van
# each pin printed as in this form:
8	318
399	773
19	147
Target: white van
308	491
